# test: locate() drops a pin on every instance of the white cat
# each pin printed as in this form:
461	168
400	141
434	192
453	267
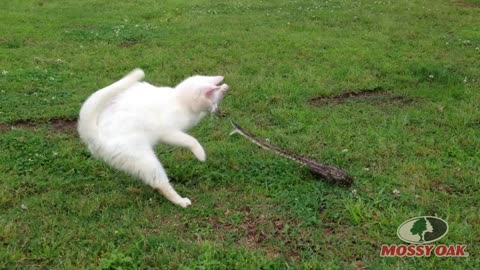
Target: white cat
122	122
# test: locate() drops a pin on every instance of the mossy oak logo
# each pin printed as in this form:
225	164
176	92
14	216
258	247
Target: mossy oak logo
422	230
419	231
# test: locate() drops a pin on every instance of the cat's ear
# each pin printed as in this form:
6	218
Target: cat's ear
208	91
215	79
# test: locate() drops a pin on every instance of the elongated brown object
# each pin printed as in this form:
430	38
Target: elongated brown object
329	173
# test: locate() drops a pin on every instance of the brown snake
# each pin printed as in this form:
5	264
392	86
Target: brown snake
329	173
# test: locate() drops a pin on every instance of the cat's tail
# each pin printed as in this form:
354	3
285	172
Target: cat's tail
94	105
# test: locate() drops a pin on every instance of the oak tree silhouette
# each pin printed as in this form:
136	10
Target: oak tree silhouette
419	227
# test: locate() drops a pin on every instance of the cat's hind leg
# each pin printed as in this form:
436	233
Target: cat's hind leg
143	163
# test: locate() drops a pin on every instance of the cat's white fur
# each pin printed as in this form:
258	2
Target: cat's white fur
122	122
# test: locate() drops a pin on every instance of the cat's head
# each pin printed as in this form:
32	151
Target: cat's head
202	93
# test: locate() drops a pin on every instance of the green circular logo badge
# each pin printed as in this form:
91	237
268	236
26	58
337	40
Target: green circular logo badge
422	230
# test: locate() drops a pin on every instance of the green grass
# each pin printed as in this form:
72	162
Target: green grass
61	209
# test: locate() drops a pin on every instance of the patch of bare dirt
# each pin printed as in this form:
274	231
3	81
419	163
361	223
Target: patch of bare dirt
377	96
467	4
63	124
437	185
60	124
129	43
261	231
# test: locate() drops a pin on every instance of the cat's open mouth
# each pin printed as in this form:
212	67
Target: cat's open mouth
218	96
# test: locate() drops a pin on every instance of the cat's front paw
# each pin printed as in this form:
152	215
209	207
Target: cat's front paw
224	87
199	153
184	202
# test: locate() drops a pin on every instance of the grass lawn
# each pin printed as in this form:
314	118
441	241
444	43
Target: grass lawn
412	146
